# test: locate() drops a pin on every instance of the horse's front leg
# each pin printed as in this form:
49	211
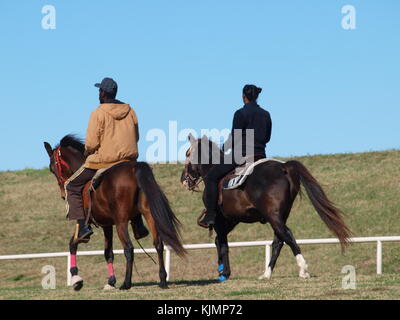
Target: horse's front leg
220	264
222	228
109	256
224	268
76	281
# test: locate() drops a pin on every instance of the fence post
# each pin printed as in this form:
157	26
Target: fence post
167	261
68	270
379	257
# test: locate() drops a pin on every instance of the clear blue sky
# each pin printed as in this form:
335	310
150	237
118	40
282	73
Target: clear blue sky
328	90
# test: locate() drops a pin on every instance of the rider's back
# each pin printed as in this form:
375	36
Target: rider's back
252	116
112	133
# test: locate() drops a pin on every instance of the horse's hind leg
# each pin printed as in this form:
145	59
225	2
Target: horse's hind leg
277	245
109	256
76	281
301	262
123	234
286	235
158	244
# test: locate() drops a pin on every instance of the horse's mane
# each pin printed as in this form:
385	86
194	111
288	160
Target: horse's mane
71	140
207	149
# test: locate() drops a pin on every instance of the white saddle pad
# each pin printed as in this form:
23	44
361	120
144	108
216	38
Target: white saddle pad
241	173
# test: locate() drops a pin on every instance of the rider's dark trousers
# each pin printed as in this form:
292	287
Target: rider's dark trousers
74	190
211	180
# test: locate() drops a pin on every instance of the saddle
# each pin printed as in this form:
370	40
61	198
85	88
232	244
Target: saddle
237	177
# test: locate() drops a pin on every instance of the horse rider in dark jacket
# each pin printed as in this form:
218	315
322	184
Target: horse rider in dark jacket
250	117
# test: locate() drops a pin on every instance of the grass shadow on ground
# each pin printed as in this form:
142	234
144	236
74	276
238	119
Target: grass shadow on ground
196	283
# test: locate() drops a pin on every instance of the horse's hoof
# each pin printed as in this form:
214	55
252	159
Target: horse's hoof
112	281
266	275
304	275
77	282
108	287
222	278
163	286
125	287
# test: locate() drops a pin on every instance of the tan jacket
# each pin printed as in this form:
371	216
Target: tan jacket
111	136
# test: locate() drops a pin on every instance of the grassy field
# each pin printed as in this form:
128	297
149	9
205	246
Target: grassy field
365	186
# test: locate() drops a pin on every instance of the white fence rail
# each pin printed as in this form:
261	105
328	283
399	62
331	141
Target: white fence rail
266	244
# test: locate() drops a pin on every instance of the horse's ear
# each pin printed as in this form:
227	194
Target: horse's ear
191	138
48	148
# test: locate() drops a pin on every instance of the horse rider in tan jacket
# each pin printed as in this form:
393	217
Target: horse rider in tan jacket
112	136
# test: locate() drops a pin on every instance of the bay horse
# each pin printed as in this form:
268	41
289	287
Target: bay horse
126	190
266	196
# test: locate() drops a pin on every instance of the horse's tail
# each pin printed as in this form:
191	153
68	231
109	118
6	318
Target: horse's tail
332	216
167	223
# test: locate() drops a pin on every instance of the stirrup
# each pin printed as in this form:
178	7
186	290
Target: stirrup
83	238
208	224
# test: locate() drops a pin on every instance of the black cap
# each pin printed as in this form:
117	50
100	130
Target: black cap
107	85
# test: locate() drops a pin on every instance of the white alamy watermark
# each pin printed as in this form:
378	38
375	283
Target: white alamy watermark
49	280
172	146
349	18
349	280
49	18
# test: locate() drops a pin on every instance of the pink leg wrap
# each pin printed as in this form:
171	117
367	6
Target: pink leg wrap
73	260
110	269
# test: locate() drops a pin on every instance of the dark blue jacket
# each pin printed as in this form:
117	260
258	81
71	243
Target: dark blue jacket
251	116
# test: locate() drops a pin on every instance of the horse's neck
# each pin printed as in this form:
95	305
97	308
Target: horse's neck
205	169
76	163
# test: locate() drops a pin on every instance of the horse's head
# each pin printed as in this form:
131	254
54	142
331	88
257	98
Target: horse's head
200	156
65	159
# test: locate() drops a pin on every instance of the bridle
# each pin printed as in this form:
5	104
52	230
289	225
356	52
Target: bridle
191	182
59	163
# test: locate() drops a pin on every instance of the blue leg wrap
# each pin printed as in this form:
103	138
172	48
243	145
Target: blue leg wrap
222	278
221	267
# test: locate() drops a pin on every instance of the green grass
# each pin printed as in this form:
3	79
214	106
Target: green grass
366	186
281	287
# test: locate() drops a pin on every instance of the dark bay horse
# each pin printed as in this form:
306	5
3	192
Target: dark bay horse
266	196
127	190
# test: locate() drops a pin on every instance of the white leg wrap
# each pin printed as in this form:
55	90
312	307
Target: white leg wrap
267	274
301	262
108	287
77	282
76	279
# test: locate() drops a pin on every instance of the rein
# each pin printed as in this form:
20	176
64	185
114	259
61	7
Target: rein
194	188
59	162
190	179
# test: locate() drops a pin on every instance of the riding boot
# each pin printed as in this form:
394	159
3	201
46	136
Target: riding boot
139	229
208	219
84	231
211	192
